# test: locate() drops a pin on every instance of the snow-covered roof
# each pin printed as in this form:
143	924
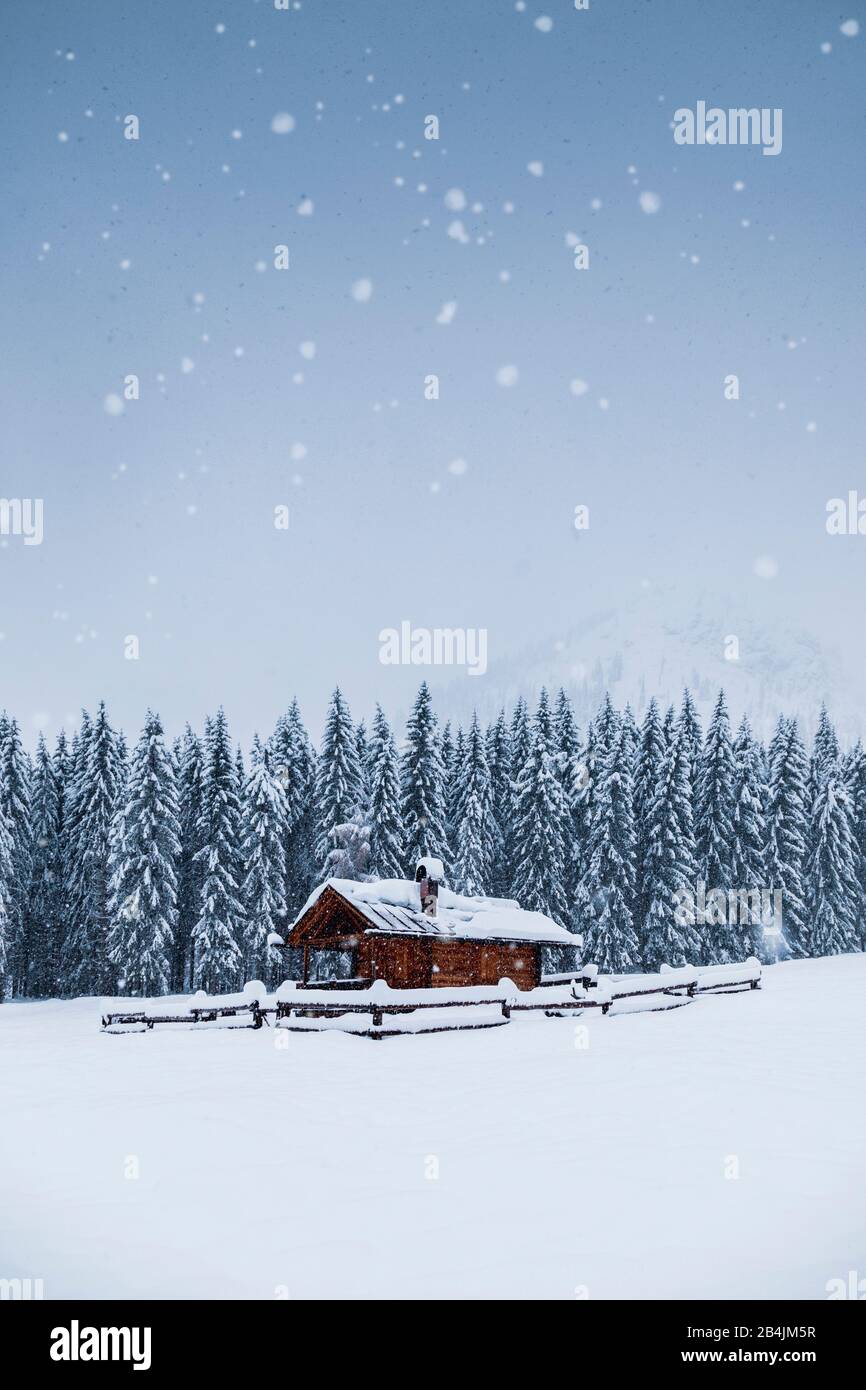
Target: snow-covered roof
393	906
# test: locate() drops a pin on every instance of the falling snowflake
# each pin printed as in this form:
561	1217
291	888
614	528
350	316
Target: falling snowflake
650	202
283	123
507	376
766	567
362	291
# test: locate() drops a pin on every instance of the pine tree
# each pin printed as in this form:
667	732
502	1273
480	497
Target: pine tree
539	817
648	770
62	765
46	878
294	761
474	833
339	786
86	968
6	908
190	869
143	893
609	882
520	739
632	738
386	831
217	956
15	808
422	782
788	833
690	724
669	726
264	863
498	742
714	802
452	787
748	824
825	754
832	888
571	773
446	753
856	780
606	726
669	938
362	743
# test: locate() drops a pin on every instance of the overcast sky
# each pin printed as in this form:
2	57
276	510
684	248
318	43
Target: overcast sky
262	388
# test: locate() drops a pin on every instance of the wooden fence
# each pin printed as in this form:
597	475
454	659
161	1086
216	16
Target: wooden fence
557	997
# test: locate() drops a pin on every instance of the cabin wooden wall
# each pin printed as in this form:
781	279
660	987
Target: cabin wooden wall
458	963
403	962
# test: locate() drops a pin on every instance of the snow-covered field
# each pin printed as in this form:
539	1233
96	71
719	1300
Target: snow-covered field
506	1164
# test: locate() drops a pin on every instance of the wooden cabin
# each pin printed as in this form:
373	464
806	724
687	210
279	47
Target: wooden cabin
415	935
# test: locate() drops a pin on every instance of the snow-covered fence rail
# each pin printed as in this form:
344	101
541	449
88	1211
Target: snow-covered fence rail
204	1014
301	1008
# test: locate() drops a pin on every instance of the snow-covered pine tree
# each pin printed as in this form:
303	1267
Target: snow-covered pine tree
294	762
669	725
422	784
690	722
748	823
831	879
668	937
62	764
520	738
539	817
856	780
350	855
648	769
446	753
386	830
339	786
714	832
264	863
570	770
85	967
46	877
498	742
787	829
190	870
362	743
143	890
217	957
6	872
590	762
474	833
632	737
610	940
825	754
452	784
15	808
606	725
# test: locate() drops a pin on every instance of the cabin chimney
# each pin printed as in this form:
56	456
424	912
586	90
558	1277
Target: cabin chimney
428	876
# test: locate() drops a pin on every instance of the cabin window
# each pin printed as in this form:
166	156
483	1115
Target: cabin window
331	965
